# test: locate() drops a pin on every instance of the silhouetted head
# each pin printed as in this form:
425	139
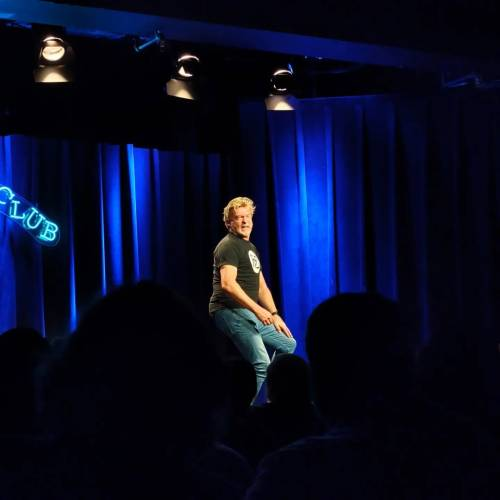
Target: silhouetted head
140	361
358	355
22	343
289	381
21	352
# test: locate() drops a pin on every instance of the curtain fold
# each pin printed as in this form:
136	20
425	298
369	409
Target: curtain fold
390	194
398	195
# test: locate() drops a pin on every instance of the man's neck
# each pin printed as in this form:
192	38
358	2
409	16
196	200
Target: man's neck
239	236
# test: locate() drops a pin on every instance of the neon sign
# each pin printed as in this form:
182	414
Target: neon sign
28	217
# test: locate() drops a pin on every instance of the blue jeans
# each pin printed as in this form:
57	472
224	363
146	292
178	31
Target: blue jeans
251	337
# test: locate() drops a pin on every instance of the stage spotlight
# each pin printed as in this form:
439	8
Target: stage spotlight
184	83
53	49
188	66
281	98
54	61
282	80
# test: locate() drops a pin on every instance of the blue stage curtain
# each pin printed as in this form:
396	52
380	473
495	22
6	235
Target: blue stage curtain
398	195
395	194
125	213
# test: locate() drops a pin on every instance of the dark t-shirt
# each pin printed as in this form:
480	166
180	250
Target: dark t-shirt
244	256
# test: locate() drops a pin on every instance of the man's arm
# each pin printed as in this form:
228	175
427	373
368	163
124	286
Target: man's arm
230	286
266	299
265	296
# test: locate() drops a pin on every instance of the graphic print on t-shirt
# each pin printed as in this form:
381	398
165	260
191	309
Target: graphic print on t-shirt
254	260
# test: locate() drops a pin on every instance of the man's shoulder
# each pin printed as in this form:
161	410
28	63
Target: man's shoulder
229	242
224	241
228	250
253	247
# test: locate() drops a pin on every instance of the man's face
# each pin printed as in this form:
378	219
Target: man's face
241	223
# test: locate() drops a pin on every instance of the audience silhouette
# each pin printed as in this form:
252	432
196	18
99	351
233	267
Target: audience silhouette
289	414
130	406
383	442
135	399
22	351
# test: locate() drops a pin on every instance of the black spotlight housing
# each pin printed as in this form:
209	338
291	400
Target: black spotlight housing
281	96
282	80
55	61
188	67
184	83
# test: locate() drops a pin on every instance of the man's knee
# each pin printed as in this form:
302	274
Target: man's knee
291	345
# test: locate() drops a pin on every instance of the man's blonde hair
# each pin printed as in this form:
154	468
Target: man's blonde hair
240	201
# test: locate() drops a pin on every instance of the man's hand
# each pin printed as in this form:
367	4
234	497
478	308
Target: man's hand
265	316
280	325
